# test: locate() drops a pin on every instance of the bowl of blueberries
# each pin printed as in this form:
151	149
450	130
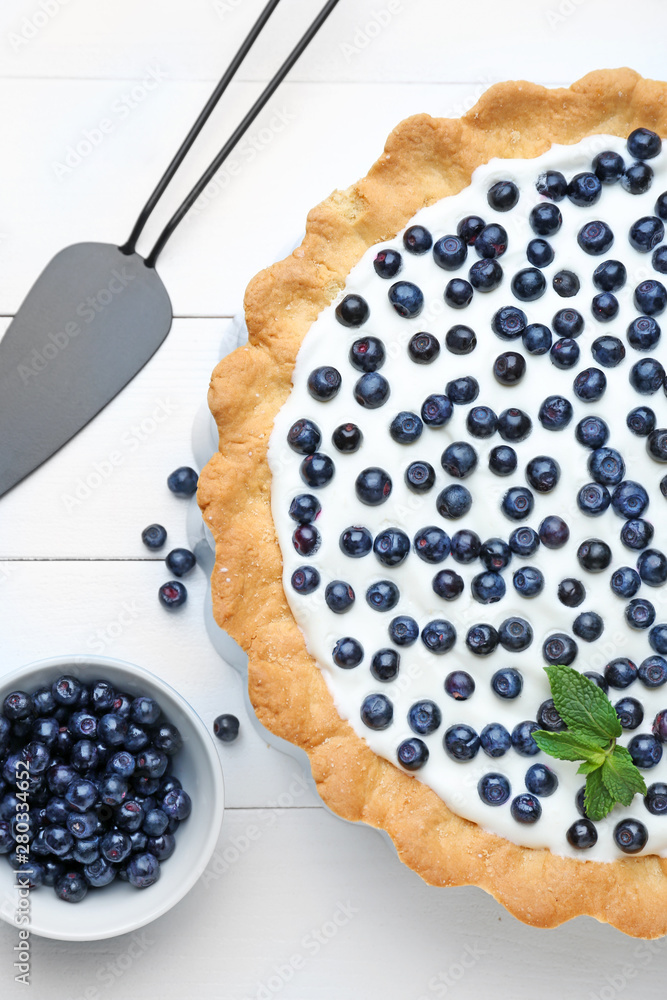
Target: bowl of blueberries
111	797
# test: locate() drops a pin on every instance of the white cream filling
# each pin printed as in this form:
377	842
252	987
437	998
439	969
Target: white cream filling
422	674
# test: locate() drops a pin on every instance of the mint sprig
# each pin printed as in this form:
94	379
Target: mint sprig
592	730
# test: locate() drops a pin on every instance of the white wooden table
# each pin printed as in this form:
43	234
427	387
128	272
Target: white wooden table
296	903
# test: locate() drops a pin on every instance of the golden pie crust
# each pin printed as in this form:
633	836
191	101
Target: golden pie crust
424	160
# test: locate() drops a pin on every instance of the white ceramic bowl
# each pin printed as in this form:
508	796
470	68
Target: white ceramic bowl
119	907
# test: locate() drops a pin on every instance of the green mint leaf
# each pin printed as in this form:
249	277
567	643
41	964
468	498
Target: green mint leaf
621	777
598	800
588	766
571	745
581	704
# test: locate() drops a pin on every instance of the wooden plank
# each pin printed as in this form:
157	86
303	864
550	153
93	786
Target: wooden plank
363	41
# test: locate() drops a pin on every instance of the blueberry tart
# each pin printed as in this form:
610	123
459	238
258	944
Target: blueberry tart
443	469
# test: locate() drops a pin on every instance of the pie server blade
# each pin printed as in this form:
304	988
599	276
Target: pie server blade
90	322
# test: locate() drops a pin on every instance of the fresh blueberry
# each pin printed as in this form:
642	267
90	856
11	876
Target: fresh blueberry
371	390
645	750
459	459
66	691
565	284
143	870
606	466
385	664
522	738
356	542
608	351
552	185
653	671
620	673
453	502
595	238
641	421
604	307
598	680
352	310
509	322
515	634
656	444
339	596
324	383
316	470
482	639
226	728
629	499
565	353
636	533
485	275
643	333
592	432
373	486
432	544
391	546
436	410
502	460
661	205
584	189
183	481
629	712
647	376
377	711
348	653
491	242
154	536
495	554
524	541
305	580
58	839
406	427
71	887
568	323
545	219
582	835
406	298
643	144
460	339
469	228
659	260
528	284
609	276
509	368
655	799
646	233
593	499
541	780
466	546
528	581
461	742
304	508
458	293
555	413
608	166
503	196
640	614
594	555
559	648
367	354
543	473
540	253
382	596
438	636
180	562
571	592
553	532
412	754
449	252
172	594
82	825
487	588
417	240
514	424
650	297
517	503
387	263
423	348
304	437
459	685
403	630
481	422
537	338
424	717
420	477
507	683
588	626
112	729
652	568
495	740
494	789
177	804
657	638
659	727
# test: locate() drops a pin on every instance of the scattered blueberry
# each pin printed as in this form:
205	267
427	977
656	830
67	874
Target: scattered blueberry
183	481
154	536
